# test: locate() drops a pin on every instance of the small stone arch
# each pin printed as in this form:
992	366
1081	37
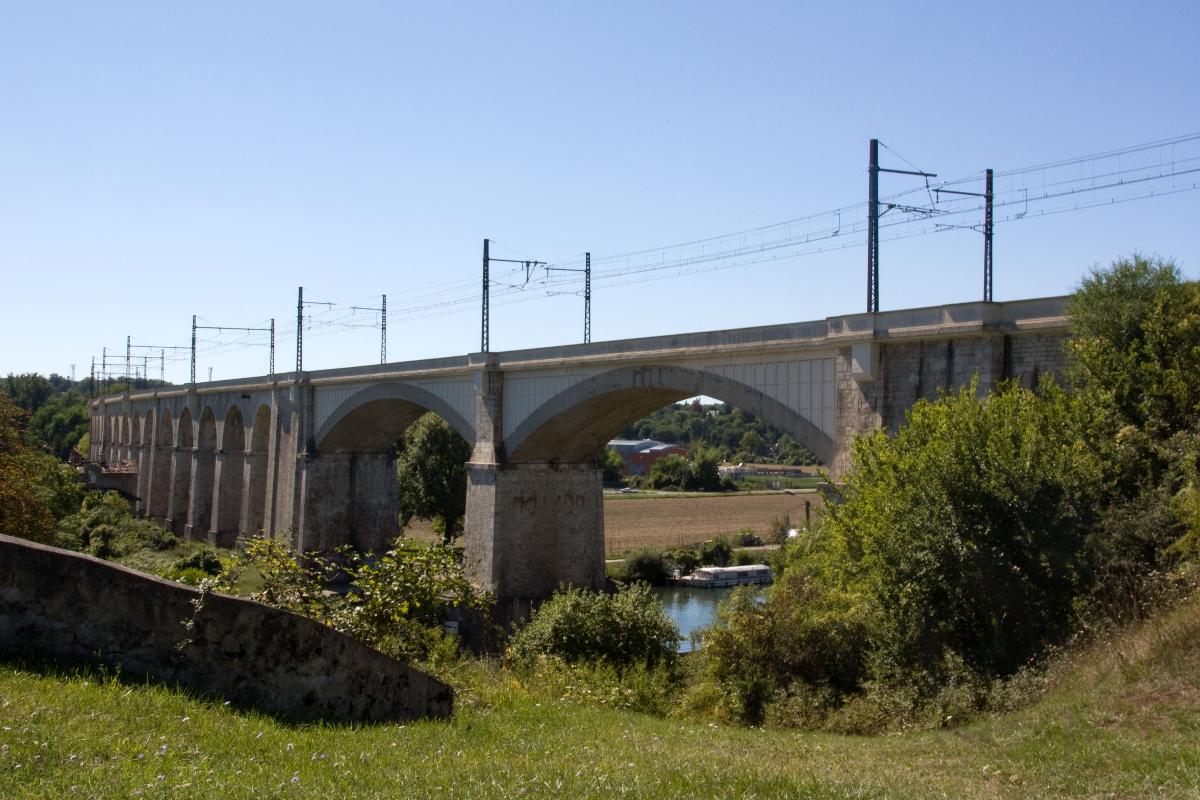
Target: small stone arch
230	471
573	425
373	419
203	472
143	451
254	503
160	482
181	471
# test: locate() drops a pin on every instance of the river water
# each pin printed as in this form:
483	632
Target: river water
691	608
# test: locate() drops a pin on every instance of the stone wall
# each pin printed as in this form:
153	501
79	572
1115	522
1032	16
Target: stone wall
531	527
907	371
55	603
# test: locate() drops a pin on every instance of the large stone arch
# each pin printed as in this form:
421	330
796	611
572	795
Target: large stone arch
254	501
573	425
227	478
181	472
372	420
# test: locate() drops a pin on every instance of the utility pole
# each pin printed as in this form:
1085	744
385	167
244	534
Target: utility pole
128	357
300	332
193	378
92	384
987	237
987	229
873	170
271	367
483	346
487	260
382	325
587	293
300	304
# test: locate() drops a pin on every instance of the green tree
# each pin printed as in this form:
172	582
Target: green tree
968	527
60	423
28	391
431	475
24	512
613	466
671	473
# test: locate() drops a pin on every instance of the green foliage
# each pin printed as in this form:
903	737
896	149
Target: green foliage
199	565
60	423
671	473
612	466
777	530
105	527
36	489
716	552
28	391
431	475
686	559
697	473
625	629
647	566
967	529
396	602
724	429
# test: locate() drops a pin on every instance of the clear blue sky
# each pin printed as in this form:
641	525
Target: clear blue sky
164	159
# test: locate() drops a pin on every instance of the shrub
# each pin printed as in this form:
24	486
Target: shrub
648	566
399	597
746	537
106	528
777	530
685	558
716	552
623	629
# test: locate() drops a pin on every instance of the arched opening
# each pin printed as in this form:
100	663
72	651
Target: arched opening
574	425
145	456
160	482
581	423
352	489
254	503
181	473
230	469
203	471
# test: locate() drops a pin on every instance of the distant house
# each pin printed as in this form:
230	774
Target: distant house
639	455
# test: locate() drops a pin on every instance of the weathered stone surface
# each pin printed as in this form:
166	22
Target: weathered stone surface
530	527
316	468
61	604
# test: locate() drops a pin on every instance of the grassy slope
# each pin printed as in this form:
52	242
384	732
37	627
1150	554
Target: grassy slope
1120	720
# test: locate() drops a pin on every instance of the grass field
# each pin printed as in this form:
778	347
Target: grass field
1121	720
670	521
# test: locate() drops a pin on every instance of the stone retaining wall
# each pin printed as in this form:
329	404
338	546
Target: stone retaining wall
57	603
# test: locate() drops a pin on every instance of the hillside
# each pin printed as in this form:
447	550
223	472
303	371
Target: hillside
1118	719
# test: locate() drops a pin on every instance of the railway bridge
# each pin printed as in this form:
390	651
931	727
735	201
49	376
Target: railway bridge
310	456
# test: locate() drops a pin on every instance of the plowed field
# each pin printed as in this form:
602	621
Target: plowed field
633	521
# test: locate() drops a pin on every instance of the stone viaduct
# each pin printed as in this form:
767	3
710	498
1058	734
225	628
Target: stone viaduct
309	456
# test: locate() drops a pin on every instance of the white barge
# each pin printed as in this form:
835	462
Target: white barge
720	577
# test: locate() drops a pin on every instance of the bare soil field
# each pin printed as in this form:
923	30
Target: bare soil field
631	522
669	521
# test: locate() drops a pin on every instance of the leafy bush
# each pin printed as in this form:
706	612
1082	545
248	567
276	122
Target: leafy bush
200	565
716	552
685	558
777	530
106	528
623	629
746	537
647	566
398	598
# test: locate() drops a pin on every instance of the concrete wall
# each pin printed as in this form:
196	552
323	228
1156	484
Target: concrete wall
61	604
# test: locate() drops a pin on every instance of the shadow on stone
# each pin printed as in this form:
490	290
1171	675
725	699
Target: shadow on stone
61	607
